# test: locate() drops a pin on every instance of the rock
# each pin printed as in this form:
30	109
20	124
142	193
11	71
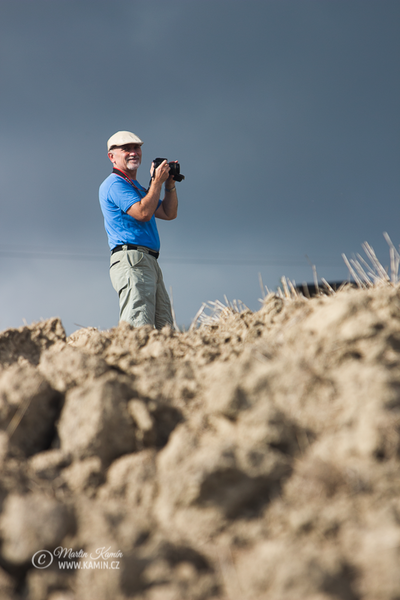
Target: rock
132	479
31	523
30	341
84	476
146	431
7	586
220	477
47	465
67	367
155	569
95	420
49	584
29	407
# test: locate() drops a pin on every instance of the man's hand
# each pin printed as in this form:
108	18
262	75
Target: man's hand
161	174
168	209
147	206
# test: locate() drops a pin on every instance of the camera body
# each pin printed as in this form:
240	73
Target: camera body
174	168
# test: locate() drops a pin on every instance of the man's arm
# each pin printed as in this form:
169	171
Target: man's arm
168	209
146	207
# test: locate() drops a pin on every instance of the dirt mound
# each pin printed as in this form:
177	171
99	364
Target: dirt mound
256	457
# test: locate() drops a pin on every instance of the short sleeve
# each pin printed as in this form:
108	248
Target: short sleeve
123	194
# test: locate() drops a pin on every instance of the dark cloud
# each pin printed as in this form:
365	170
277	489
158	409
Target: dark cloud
284	115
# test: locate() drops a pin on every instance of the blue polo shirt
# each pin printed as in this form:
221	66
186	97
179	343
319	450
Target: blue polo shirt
116	197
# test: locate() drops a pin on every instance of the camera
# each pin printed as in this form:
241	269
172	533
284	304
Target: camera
174	168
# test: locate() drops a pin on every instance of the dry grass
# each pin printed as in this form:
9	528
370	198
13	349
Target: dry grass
365	273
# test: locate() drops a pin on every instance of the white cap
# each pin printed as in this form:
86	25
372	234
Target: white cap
123	137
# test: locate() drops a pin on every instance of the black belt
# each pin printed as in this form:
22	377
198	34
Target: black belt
132	247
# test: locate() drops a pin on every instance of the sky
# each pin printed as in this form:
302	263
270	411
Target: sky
284	116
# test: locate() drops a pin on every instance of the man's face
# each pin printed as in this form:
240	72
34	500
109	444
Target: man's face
127	157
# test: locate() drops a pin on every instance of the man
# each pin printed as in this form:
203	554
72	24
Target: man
129	212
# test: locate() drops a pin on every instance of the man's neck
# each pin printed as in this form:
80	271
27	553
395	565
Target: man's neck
128	173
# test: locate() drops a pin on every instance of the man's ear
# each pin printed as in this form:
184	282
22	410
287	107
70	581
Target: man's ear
111	156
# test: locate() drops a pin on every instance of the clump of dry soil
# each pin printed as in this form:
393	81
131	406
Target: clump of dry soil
256	457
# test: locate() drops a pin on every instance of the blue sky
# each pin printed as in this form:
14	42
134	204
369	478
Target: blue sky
284	115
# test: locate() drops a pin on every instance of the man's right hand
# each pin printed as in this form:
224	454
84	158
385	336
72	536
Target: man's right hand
161	174
147	206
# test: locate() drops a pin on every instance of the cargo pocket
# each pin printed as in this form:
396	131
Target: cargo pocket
119	274
134	258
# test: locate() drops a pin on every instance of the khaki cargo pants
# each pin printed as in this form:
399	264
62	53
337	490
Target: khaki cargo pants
138	281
